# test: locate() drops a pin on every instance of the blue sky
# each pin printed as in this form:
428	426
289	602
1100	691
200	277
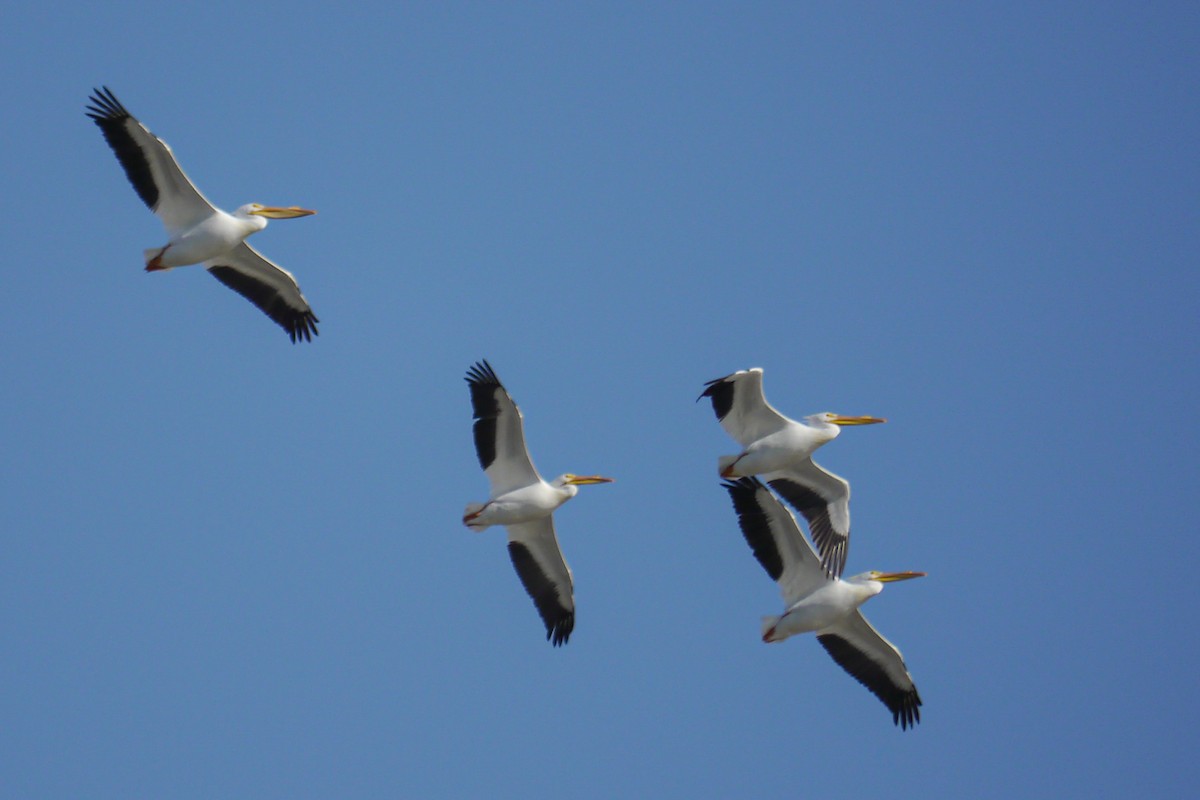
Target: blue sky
235	568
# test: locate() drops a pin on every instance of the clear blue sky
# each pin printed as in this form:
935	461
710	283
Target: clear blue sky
235	568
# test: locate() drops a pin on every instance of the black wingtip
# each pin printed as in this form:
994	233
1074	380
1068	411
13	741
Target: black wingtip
559	633
709	387
558	618
720	390
908	713
297	322
905	704
750	484
485	408
112	119
303	326
481	374
754	523
105	106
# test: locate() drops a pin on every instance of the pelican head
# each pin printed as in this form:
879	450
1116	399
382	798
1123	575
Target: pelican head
569	484
872	582
273	212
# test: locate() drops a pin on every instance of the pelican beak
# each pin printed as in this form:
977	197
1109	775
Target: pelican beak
278	212
888	577
840	420
581	480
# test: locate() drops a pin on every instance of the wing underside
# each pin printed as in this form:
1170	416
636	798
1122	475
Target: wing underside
776	540
268	286
499	432
824	501
149	164
876	663
538	560
741	407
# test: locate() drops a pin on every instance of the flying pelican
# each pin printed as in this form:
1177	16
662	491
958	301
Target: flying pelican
200	233
829	606
522	502
781	450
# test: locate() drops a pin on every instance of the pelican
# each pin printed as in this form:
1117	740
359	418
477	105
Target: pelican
200	233
780	449
828	606
522	502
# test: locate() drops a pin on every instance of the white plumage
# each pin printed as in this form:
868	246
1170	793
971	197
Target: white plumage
198	232
815	602
523	502
781	450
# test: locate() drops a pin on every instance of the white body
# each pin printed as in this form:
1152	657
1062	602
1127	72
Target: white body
525	504
522	502
824	608
198	232
793	444
780	449
827	606
214	236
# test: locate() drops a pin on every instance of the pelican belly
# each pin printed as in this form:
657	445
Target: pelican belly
522	505
804	618
826	606
211	238
771	453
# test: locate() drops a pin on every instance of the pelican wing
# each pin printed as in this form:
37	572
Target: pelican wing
149	165
741	408
499	433
824	500
876	664
535	554
773	535
268	286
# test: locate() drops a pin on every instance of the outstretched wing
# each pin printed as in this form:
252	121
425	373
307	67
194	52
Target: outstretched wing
499	432
824	500
149	164
773	535
876	664
539	562
268	286
741	408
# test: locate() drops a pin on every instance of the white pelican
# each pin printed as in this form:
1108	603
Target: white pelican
829	606
522	502
782	448
198	232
